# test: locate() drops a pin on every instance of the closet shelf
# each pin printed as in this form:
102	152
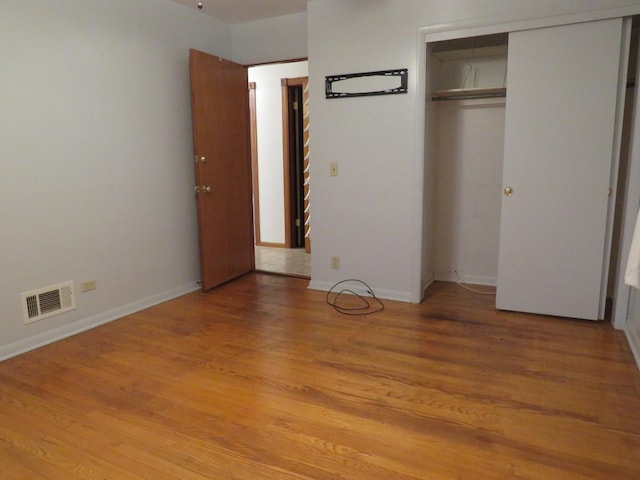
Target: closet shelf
468	93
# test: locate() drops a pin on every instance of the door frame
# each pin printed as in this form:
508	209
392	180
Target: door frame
421	276
255	183
255	155
253	134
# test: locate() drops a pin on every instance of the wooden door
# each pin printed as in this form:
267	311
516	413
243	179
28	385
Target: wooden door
220	110
559	138
295	130
294	167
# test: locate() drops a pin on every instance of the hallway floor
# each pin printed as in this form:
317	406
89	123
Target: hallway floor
288	261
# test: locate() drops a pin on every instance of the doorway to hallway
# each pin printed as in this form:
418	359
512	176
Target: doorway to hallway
280	162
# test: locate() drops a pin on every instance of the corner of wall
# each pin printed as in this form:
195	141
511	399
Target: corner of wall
634	343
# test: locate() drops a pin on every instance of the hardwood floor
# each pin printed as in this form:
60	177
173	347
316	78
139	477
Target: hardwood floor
260	379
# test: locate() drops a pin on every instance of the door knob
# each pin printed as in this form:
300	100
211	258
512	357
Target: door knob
508	191
206	189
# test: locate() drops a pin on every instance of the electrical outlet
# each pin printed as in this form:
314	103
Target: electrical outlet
333	169
335	263
88	286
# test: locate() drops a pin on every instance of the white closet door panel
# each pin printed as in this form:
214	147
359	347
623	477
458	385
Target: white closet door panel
559	133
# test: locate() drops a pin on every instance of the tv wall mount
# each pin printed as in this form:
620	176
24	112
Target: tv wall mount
383	82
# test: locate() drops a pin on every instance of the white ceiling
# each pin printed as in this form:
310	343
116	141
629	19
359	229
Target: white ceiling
240	11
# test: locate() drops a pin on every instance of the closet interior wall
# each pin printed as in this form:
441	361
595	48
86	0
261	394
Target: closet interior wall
467	108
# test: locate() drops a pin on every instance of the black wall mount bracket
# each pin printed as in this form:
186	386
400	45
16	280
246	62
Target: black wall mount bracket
377	83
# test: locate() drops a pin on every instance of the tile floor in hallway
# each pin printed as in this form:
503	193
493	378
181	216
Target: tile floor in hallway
289	261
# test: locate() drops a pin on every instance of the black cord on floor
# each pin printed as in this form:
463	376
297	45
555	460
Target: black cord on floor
366	308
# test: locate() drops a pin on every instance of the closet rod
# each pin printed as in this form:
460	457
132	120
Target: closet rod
468	93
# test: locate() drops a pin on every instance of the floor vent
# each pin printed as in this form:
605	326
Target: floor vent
48	301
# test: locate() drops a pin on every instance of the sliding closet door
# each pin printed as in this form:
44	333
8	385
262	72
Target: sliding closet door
559	134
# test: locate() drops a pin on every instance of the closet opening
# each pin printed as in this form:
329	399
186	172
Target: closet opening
526	153
467	112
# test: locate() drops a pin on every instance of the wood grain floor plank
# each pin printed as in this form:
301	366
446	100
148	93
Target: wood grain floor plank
87	436
15	469
56	459
260	379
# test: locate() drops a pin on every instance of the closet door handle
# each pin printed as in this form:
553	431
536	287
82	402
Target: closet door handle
508	191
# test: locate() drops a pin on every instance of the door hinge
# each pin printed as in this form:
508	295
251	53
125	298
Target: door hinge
297	222
295	105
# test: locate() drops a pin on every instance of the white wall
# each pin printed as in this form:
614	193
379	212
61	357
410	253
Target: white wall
96	156
270	40
270	148
371	214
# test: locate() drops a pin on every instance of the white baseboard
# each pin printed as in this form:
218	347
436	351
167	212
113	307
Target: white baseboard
426	285
45	338
467	279
386	294
634	343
